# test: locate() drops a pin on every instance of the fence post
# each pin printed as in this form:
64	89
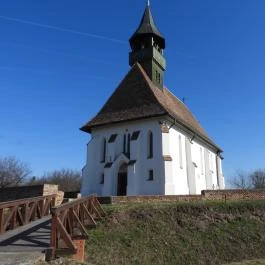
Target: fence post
1	221
53	237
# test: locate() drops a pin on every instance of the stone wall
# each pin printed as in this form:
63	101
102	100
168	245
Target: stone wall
23	192
135	199
16	193
213	195
233	194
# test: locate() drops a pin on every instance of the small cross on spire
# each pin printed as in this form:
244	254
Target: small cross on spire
148	2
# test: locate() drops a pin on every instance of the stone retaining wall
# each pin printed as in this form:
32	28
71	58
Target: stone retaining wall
135	199
213	195
233	194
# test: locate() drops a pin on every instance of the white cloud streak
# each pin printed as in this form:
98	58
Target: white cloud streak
90	35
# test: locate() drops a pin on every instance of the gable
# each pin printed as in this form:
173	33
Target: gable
132	100
138	98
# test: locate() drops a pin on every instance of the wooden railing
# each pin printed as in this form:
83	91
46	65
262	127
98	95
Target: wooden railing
21	212
71	220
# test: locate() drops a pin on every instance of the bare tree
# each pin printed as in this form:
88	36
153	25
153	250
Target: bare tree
252	180
67	179
258	179
12	172
241	180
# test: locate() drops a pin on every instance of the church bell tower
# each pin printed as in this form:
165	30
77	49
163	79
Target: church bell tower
147	45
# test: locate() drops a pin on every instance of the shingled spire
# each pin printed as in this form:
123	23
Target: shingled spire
147	44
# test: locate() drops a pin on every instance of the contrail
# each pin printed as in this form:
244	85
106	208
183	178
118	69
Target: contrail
31	70
17	20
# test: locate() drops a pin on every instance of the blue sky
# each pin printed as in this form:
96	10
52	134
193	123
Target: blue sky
61	60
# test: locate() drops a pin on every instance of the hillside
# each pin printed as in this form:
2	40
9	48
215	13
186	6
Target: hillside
179	233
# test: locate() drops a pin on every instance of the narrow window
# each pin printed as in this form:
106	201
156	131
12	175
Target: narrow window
211	161
201	156
124	143
150	145
150	175
180	153
102	179
128	145
103	151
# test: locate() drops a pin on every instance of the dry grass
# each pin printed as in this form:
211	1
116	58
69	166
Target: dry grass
250	262
179	233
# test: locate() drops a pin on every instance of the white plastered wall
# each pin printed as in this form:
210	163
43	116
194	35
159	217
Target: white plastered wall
196	170
138	183
176	170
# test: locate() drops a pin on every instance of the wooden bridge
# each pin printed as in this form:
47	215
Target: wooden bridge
35	224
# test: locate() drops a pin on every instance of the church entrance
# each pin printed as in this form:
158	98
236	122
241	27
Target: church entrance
122	181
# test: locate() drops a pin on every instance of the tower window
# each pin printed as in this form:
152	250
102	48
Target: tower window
150	175
150	145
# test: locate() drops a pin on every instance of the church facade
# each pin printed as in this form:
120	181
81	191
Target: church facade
144	140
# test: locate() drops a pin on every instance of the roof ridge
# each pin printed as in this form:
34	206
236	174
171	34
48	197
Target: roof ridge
151	85
167	108
184	105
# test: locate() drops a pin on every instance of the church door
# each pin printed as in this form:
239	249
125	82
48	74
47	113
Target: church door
122	184
122	181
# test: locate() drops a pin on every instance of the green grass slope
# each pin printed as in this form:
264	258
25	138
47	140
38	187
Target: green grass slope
179	233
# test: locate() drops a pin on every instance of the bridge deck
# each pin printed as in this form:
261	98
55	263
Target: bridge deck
29	238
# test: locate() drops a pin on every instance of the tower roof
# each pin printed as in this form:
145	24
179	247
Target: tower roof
137	98
148	27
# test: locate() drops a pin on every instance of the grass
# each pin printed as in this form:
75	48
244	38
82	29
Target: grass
179	233
252	262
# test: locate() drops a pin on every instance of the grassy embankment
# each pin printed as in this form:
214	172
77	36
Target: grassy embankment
179	233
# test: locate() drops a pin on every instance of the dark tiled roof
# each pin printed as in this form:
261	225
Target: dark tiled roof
137	97
147	26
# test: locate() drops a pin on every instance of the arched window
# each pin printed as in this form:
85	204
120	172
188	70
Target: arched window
103	151
180	153
150	143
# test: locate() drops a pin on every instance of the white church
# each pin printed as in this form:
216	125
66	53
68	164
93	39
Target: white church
144	140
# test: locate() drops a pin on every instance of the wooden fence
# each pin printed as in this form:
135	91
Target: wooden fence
70	221
21	212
